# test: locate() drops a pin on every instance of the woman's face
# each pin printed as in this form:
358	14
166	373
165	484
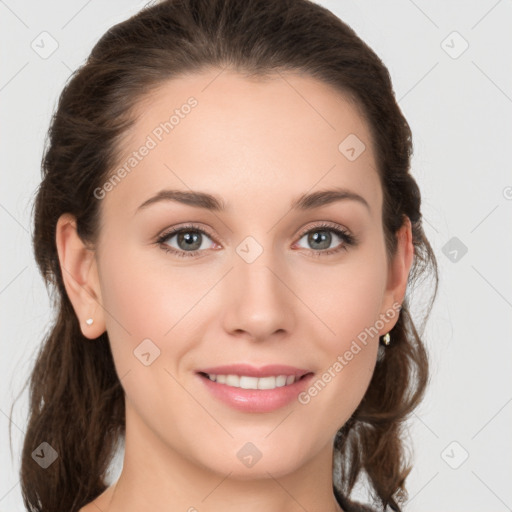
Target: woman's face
270	273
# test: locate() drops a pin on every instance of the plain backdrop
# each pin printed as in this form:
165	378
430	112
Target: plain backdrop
450	62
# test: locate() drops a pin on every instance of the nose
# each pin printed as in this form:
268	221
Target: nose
260	303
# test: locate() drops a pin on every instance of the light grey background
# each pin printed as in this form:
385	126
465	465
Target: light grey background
459	106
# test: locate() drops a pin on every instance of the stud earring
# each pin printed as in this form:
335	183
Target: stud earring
89	321
386	339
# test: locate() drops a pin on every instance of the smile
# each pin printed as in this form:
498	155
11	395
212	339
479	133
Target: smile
254	390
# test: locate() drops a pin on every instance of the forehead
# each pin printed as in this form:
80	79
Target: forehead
222	132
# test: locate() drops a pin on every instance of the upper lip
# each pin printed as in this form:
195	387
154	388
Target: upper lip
253	371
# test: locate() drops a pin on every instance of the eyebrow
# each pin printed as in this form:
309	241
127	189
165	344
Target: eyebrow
214	203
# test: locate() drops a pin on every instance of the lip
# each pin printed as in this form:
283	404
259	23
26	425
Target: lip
256	400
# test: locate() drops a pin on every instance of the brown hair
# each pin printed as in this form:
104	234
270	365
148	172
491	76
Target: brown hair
76	399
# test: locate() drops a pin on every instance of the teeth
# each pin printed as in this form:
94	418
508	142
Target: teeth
246	382
267	383
233	380
281	380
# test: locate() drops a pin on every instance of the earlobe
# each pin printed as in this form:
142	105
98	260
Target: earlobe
80	276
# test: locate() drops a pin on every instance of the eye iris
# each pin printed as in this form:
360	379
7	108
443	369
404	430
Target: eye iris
191	238
320	237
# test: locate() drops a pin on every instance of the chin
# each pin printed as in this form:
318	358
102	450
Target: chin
250	463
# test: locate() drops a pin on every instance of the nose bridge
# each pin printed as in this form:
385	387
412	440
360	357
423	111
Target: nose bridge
260	304
256	267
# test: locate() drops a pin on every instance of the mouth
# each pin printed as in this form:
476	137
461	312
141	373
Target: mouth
250	389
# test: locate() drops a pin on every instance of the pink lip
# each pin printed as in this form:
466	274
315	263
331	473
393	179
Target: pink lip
256	400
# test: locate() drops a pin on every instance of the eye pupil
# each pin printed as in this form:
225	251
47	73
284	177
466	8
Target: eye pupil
191	238
320	237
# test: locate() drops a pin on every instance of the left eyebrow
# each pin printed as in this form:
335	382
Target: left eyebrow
325	197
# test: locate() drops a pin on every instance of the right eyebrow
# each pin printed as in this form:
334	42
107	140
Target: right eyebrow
191	198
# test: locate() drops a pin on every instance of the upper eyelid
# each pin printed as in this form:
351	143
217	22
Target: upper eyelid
166	233
324	224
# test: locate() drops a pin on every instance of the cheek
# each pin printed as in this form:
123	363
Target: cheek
146	298
347	297
148	327
349	302
144	293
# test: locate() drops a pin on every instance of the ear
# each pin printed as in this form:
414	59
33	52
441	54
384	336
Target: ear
80	276
398	274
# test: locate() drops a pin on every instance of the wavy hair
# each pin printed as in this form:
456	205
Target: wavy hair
76	400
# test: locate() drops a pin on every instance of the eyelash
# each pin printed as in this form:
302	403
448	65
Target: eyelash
348	240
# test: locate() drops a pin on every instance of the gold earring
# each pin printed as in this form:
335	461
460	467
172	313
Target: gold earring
386	339
89	321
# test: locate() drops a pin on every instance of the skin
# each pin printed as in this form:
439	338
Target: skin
258	144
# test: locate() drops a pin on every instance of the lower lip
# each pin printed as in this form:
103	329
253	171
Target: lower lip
256	400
